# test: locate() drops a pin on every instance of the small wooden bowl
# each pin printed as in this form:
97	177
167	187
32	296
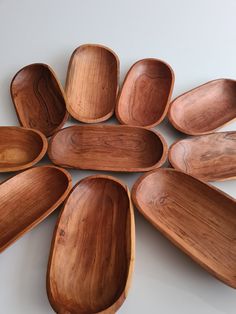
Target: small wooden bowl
39	98
196	217
204	108
92	83
209	157
108	147
28	198
146	92
96	231
20	148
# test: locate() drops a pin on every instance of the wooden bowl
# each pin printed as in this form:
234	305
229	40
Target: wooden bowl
39	99
28	198
108	147
92	83
204	108
209	157
146	92
196	217
20	148
96	231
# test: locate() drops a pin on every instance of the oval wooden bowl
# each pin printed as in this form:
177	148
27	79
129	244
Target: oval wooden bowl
146	92
204	108
92	83
108	147
20	148
39	98
29	197
96	231
209	157
197	218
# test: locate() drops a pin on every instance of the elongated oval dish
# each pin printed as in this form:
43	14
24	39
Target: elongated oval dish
210	157
146	92
39	98
197	218
20	148
96	231
29	197
108	147
204	108
92	83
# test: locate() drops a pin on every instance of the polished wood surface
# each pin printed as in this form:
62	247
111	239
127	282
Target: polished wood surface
146	92
20	148
92	253
39	98
196	217
108	147
29	197
204	108
210	157
92	83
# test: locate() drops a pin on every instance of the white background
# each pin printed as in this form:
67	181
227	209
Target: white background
197	38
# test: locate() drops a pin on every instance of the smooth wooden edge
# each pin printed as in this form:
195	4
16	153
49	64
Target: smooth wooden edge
179	128
114	307
108	115
66	116
169	96
48	212
165	232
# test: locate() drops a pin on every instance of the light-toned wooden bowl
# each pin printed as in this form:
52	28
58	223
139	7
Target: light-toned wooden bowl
92	83
196	217
28	198
146	93
92	253
108	147
39	99
204	108
210	157
20	148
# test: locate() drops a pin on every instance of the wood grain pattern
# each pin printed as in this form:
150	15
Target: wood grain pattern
204	108
197	218
39	98
209	157
108	147
28	198
146	92
92	83
96	231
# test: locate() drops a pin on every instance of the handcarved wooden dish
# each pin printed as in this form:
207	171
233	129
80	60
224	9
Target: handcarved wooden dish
20	148
146	93
197	218
204	108
209	157
39	99
29	197
92	83
108	147
96	230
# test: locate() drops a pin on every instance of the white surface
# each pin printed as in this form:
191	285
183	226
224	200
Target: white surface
198	39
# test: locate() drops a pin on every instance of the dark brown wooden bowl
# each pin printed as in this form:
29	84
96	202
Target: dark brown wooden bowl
146	92
92	253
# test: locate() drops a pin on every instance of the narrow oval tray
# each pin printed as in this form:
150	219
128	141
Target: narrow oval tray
28	198
204	108
39	99
108	147
96	230
146	92
92	83
210	157
20	148
197	218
